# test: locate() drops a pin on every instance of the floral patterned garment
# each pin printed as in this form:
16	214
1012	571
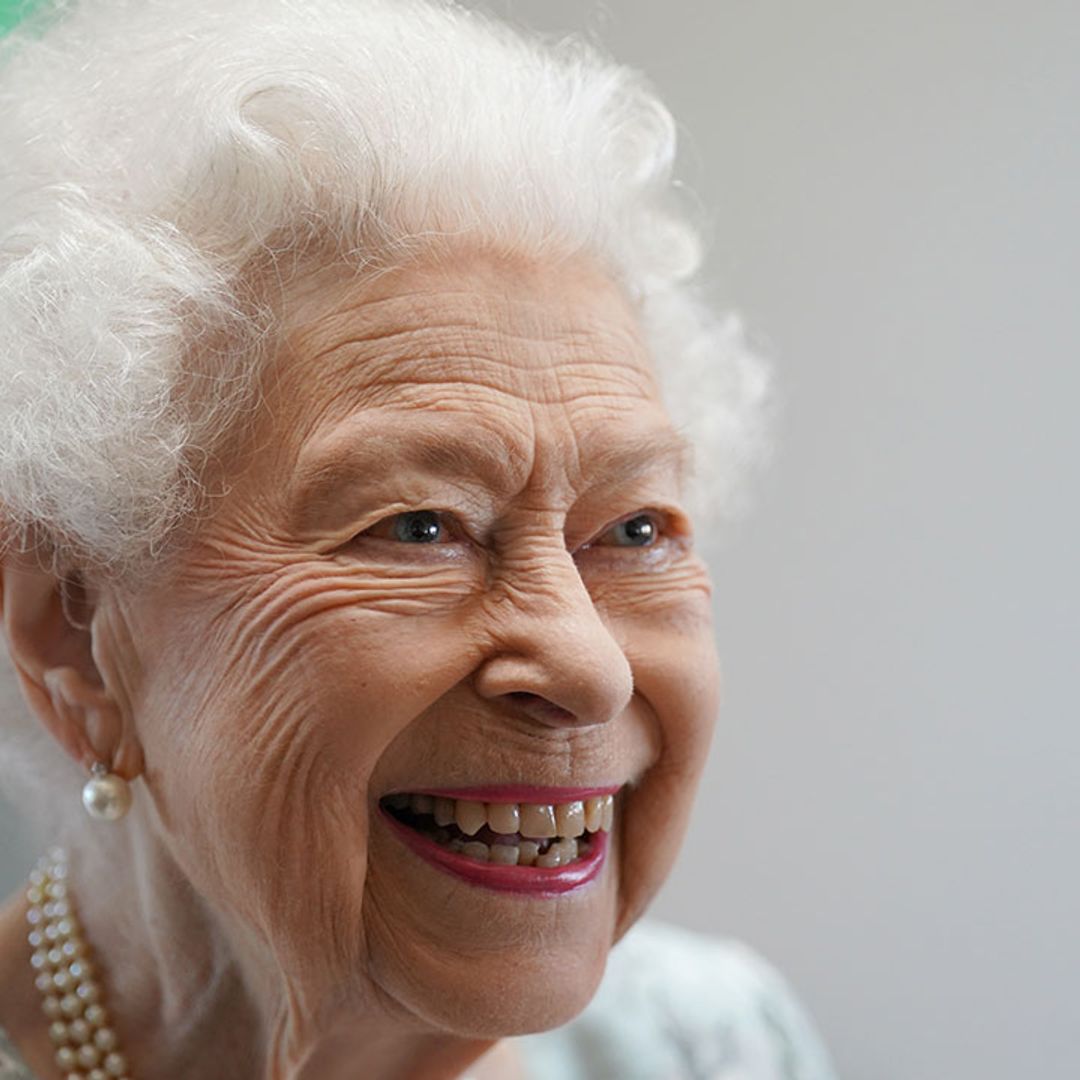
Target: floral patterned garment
673	1005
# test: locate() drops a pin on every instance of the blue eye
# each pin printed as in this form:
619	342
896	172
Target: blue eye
411	527
642	530
417	527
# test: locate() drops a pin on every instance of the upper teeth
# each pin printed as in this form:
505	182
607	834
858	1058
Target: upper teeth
537	820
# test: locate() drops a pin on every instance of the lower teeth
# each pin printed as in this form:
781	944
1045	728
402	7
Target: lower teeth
557	852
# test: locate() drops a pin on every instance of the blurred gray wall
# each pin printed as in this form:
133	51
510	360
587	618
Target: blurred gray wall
890	811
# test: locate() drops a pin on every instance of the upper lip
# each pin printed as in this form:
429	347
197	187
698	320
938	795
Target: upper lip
519	793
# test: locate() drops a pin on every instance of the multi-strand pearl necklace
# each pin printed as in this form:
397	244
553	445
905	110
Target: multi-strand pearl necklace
87	1048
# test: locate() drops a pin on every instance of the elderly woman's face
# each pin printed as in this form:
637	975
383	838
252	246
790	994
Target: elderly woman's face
453	558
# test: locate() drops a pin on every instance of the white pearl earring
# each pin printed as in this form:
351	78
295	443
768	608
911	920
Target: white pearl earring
106	796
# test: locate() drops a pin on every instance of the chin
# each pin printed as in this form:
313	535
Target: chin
515	993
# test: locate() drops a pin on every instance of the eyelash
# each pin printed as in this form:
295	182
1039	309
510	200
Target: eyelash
658	519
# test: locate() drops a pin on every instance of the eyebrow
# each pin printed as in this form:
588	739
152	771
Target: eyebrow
360	450
653	450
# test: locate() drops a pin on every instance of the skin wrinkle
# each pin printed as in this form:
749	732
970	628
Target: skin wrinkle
293	667
349	472
488	311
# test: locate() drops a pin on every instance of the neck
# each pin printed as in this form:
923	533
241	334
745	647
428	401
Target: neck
186	1001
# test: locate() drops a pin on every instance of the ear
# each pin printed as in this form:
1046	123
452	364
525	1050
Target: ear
48	623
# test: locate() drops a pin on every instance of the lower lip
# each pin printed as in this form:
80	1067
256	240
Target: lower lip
531	880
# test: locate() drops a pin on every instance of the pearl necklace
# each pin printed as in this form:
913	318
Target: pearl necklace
87	1048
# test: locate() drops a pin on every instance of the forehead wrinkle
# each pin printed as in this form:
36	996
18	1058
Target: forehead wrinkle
465	310
489	357
395	332
490	360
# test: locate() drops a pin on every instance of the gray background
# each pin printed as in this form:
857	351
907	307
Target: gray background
890	809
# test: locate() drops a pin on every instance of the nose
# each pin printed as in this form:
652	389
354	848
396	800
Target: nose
551	656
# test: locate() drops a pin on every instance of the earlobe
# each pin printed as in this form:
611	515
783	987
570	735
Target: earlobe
49	639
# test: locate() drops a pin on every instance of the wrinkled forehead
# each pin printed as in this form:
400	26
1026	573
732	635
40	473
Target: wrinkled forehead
510	353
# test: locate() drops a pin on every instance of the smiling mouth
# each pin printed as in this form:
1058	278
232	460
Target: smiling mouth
545	835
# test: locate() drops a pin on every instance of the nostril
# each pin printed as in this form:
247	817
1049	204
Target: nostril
540	708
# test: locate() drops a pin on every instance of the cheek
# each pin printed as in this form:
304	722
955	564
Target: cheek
678	674
677	677
270	720
664	624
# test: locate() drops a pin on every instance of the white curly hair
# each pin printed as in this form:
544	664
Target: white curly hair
161	155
